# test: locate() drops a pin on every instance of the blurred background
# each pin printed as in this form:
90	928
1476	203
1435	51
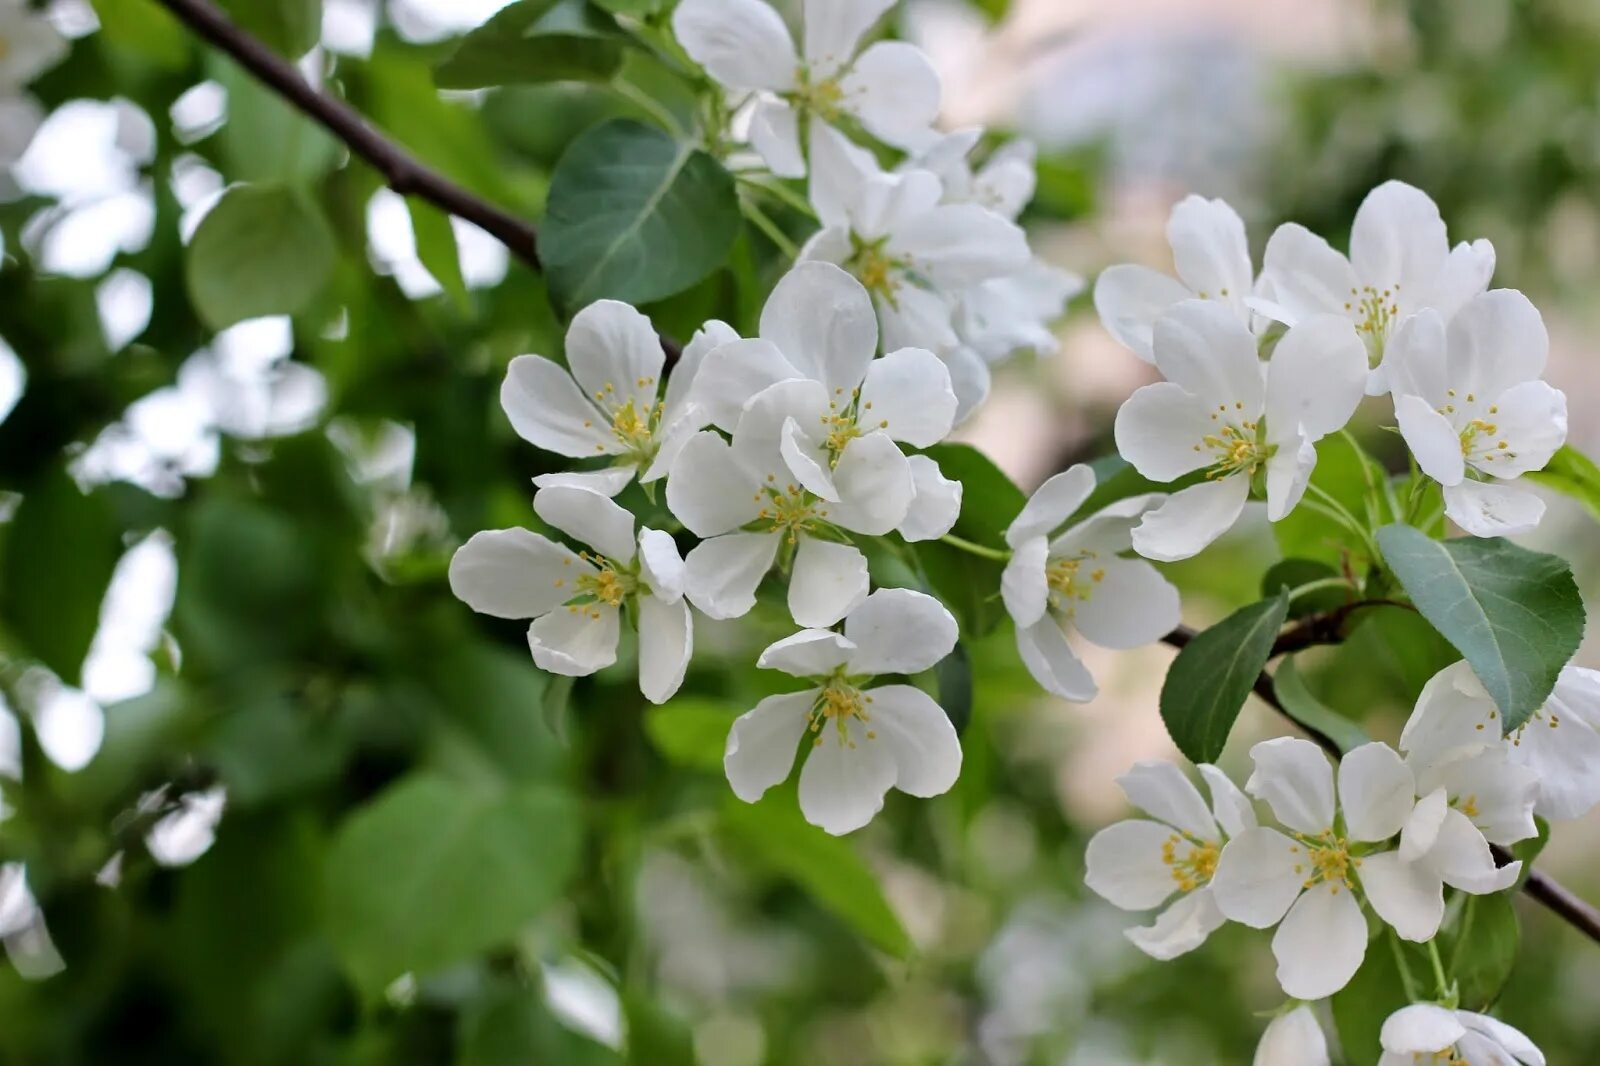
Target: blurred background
224	554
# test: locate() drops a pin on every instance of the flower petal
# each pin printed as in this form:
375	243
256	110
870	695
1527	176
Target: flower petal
735	373
763	742
1129	299
1024	583
1461	857
1321	942
917	317
1190	520
1465	274
1509	1038
1531	421
576	641
844	781
1160	429
1414	359
666	643
1421	1029
1295	780
1293	1039
514	573
1422	826
829	581
1431	438
875	487
1229	805
1180	928
758	441
1492	509
1162	791
1258	877
725	571
1377	791
743	44
899	631
608	482
1316	378
590	518
616	356
660	565
935	505
1498	794
708	490
1288	474
1132	605
1407	895
1125	864
822	321
893	89
808	653
807	460
958	245
841	172
547	409
907	394
970	377
1204	347
1496	341
834	29
1210	251
775	135
1398	239
1052	504
925	747
680	382
1302	275
1051	661
1567	756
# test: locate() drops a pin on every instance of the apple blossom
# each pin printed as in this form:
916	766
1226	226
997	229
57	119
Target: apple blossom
576	599
890	88
1246	425
1400	263
29	46
1138	864
1077	579
1293	1038
1472	408
1428	1034
864	740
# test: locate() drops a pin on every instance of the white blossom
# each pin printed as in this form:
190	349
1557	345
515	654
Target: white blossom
890	88
1473	410
577	599
1212	259
1426	1033
1293	1038
1139	864
1076	579
1400	263
1560	744
1245	424
29	46
864	740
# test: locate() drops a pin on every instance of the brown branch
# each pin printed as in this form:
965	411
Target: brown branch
1325	627
1559	899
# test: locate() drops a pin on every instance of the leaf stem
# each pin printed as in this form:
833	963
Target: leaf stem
1404	967
1446	991
999	555
773	232
1339	582
777	190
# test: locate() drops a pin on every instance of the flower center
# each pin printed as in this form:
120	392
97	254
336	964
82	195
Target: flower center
878	272
842	423
1473	429
1448	1057
1374	312
1069	584
1192	864
1235	448
789	509
1327	860
610	585
824	98
839	703
634	429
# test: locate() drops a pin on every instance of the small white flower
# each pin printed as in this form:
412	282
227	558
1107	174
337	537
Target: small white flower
1212	258
1312	878
577	599
1138	864
29	45
608	401
1474	411
1293	1038
1400	263
914	253
890	88
1560	744
1077	578
1425	1034
1246	424
865	740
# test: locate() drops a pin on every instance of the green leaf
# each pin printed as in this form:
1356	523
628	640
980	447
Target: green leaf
292	27
535	41
265	138
432	872
1375	992
1306	709
1213	675
1292	573
1342	471
954	677
1515	614
509	1025
970	584
635	216
828	867
1575	474
436	247
262	250
145	27
690	731
1529	850
1482	949
656	1037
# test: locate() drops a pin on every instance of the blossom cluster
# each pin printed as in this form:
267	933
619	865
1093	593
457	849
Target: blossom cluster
29	46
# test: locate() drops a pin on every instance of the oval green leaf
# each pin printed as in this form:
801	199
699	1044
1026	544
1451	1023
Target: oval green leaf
262	250
535	41
1213	675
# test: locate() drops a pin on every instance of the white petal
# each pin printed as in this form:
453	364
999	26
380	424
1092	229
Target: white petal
590	518
1499	793
1210	251
1190	520
908	395
743	44
1398	238
576	641
970	377
926	750
1509	1038
1125	865
1050	659
894	90
844	781
666	643
828	582
1052	504
1258	877
807	459
1288	474
936	505
616	356
1422	826
888	205
735	373
1531	420
1465	274
1162	791
708	490
1204	347
514	573
660	565
1132	605
775	135
1229	805
608	482
762	743
725	571
1421	1029
822	321
834	29
1130	298
1567	757
1496	341
1414	358
958	245
808	653
1024	584
1293	1039
875	487
1377	791
680	382
671	439
899	631
1321	942
758	441
1452	704
1461	857
1492	510
1180	928
1160	430
1431	438
1109	531
917	318
1295	780
1317	376
548	410
1407	895
841	171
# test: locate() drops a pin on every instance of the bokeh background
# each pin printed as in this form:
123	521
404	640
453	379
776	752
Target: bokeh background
248	532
